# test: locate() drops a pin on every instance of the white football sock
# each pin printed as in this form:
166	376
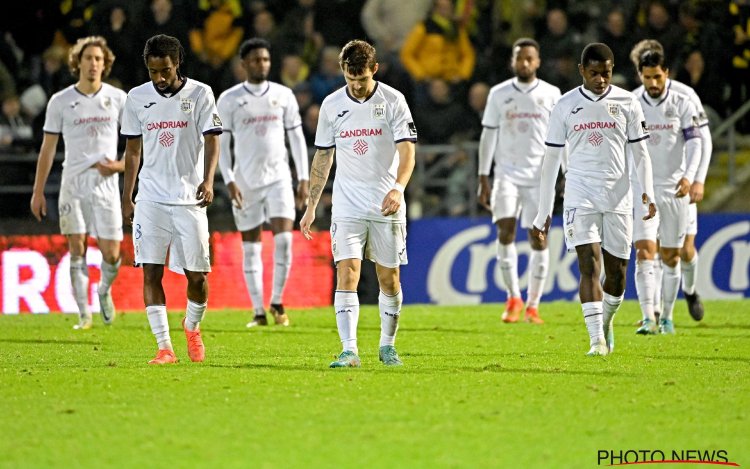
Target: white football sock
253	267
688	274
610	305
157	319
592	315
346	304
670	284
194	314
507	261
390	311
109	273
282	262
658	273
538	267
79	280
645	285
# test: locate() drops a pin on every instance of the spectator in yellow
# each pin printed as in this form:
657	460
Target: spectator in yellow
216	38
439	47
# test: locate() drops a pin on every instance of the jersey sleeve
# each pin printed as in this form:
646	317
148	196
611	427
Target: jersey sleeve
324	137
53	119
292	118
491	116
121	97
636	122
208	119
402	124
556	132
689	120
131	125
224	109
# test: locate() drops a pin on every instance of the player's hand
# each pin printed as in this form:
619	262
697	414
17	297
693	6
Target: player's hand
205	194
303	192
38	206
235	194
108	168
683	188
651	206
391	202
541	234
696	192
483	192
128	209
306	222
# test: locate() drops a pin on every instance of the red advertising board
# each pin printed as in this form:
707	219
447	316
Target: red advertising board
34	275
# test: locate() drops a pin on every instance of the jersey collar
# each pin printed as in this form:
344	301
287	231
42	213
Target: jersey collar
89	95
184	82
523	88
260	88
346	89
655	102
592	96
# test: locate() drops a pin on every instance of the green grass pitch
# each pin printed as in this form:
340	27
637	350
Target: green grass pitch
474	392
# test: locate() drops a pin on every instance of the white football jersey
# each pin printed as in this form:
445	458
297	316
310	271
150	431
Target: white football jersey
258	123
172	129
671	120
88	125
596	129
521	113
365	135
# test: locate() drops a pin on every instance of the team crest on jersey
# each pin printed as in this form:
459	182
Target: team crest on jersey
106	102
273	102
186	105
217	120
378	111
670	112
613	109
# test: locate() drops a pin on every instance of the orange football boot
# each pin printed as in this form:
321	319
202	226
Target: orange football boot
513	308
532	316
163	357
196	350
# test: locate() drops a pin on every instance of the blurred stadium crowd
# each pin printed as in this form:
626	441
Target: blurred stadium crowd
444	55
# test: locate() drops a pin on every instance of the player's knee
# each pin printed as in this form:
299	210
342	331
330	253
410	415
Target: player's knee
670	257
283	248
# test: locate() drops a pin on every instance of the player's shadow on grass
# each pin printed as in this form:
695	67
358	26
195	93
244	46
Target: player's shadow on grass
497	368
50	341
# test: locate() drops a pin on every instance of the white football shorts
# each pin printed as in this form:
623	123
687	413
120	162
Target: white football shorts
672	220
275	200
509	200
692	226
382	242
90	203
181	230
612	230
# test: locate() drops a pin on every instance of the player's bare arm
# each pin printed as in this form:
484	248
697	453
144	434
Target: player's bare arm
696	192
303	192
321	167
43	167
108	168
541	233
395	197
682	187
132	162
205	192
484	191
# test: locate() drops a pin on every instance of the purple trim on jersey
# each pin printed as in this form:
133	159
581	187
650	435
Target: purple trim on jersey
367	99
412	140
292	128
556	145
490	127
639	139
184	82
604	95
513	84
645	99
132	136
691	132
704	125
87	96
325	148
51	133
257	95
213	132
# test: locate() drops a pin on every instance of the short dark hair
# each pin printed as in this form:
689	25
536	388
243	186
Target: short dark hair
596	52
252	44
651	58
358	55
526	42
162	45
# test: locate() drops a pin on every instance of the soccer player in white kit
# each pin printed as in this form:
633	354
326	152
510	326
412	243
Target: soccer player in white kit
514	127
256	115
675	148
176	120
688	254
370	126
87	114
597	121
